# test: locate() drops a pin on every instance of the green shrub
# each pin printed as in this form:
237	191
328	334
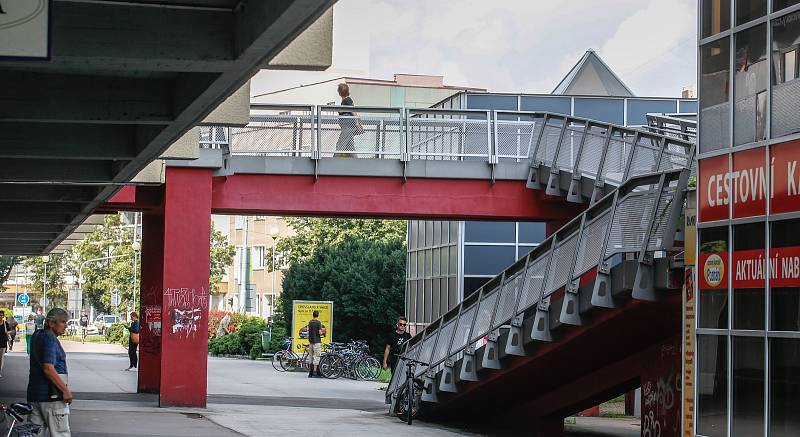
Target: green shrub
117	333
279	333
225	345
256	351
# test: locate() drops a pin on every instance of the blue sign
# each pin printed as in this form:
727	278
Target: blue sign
24	298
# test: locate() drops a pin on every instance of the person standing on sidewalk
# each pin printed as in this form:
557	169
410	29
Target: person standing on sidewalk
394	343
48	390
314	346
133	341
12	332
3	335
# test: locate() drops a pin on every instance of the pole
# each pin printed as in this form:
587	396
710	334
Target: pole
135	253
272	295
16	287
44	289
244	267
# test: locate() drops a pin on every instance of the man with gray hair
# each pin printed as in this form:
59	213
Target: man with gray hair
47	382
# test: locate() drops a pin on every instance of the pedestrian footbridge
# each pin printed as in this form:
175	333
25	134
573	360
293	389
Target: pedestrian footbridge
570	325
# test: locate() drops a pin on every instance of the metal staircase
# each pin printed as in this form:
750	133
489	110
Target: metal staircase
634	181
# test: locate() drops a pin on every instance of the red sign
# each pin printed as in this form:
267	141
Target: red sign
749	183
713	191
786	177
750	269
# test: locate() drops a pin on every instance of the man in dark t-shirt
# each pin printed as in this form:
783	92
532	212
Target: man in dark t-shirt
314	346
394	343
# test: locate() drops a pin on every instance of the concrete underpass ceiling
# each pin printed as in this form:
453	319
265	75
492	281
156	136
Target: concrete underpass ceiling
126	79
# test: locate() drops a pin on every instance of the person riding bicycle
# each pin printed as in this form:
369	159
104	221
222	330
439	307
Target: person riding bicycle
84	323
394	343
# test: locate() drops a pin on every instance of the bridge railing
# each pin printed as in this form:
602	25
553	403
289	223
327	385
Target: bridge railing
578	145
641	218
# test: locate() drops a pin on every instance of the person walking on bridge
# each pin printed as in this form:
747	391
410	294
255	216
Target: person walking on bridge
349	124
48	390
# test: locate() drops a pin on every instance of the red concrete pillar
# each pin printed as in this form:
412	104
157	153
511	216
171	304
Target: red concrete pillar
590	412
661	390
185	299
151	301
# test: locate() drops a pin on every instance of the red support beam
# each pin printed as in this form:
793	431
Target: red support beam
151	302
448	199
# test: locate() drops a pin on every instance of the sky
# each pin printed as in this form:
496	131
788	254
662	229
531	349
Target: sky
518	46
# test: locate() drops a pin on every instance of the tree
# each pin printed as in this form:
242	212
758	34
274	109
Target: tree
56	286
364	278
312	234
7	263
222	254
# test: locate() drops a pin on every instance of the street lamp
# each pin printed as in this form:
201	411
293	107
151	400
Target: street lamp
273	232
137	246
46	260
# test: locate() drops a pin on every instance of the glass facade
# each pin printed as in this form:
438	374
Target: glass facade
748	270
432	270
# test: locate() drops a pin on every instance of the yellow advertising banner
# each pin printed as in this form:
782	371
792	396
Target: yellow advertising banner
302	313
690	236
688	351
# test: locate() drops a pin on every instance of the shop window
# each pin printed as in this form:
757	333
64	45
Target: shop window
748	386
749	273
714	95
786	85
749	10
713	278
777	5
750	85
785	285
712	385
784	356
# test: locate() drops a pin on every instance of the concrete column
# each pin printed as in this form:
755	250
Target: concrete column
661	390
185	299
151	300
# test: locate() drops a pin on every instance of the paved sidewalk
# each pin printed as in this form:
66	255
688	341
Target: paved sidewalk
93	348
246	398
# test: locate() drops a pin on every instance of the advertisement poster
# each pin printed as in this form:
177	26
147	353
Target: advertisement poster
688	351
302	313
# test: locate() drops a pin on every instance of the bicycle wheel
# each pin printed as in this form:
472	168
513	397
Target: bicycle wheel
276	361
335	367
289	361
402	403
368	368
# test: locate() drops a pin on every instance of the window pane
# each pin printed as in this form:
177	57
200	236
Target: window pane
436	260
638	109
748	292
412	234
785	301
749	10
445	261
488	101
713	290
437	233
471	285
412	264
712	385
428	233
487	260
786	85
715	106
777	5
489	232
420	264
453	232
558	105
687	106
445	231
453	260
452	285
784	356
436	300
716	16
749	82
428	264
532	232
609	110
748	386
428	292
523	250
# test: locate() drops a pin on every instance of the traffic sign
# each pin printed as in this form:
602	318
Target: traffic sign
115	299
43	301
23	298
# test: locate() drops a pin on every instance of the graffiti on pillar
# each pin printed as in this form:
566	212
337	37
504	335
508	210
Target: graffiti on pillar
151	332
187	307
661	391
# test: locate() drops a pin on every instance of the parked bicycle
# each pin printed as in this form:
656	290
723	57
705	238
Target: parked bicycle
18	427
409	396
351	360
288	360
